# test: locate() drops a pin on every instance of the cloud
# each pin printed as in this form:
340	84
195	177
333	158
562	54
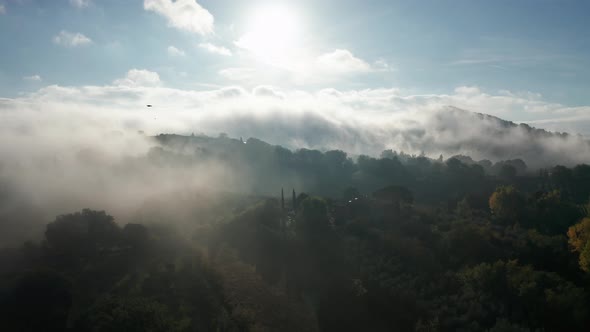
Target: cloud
80	3
211	48
267	91
467	90
303	68
342	61
2	9
508	52
70	39
382	65
173	51
33	78
238	73
139	78
185	15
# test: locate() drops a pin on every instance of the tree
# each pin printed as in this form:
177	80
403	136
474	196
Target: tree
137	236
83	232
127	315
503	325
395	195
553	213
521	293
312	219
40	301
350	193
507	172
507	204
300	198
579	235
579	241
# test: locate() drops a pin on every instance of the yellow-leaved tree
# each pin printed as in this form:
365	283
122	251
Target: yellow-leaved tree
579	241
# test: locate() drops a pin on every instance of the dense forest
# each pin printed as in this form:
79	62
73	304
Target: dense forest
312	240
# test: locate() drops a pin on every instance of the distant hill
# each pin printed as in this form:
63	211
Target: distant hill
484	136
448	131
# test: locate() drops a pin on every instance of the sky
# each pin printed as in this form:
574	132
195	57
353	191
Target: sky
524	61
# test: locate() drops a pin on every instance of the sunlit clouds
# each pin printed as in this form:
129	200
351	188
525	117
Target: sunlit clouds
202	59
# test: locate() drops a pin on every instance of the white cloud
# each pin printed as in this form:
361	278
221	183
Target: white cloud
80	3
70	39
211	48
139	78
238	73
342	61
34	78
173	51
185	15
2	9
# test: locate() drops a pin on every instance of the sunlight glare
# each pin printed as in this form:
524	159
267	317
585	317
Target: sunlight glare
273	33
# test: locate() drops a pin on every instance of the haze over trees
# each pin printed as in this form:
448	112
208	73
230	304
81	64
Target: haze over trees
312	240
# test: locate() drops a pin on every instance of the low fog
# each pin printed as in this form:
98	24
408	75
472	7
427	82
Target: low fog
64	149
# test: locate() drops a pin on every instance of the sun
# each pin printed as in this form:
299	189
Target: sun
273	33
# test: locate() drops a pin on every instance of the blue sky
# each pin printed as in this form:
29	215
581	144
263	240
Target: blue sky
537	50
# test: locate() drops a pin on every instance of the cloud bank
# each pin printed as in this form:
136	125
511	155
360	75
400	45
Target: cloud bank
357	121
